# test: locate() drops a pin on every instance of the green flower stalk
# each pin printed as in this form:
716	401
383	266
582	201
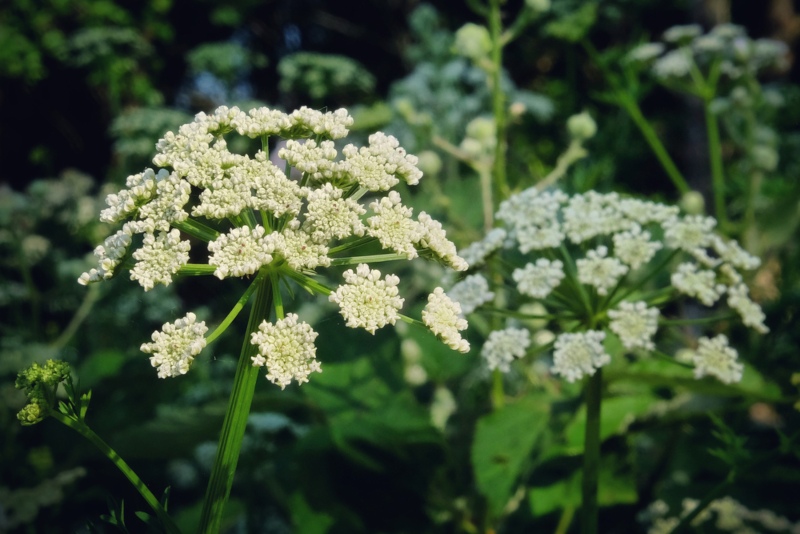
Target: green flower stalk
252	217
41	383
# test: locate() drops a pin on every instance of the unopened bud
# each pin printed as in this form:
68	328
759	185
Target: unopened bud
581	126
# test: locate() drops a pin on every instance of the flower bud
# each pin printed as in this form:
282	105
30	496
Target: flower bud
581	126
538	6
429	162
765	157
693	203
472	41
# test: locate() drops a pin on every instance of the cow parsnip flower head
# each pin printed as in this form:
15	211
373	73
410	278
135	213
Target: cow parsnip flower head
607	267
241	215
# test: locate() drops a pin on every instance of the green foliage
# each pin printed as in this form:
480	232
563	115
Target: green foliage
572	25
319	79
226	60
504	441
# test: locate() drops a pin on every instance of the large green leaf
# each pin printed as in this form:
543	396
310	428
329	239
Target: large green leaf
617	486
617	414
503	441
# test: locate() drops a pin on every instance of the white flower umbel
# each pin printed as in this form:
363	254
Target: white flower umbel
298	248
634	247
315	160
538	279
471	292
393	226
434	239
579	354
600	271
443	316
159	259
381	165
751	313
366	301
715	358
699	283
252	219
593	214
635	324
287	350
174	347
503	346
240	252
690	233
328	215
273	191
475	254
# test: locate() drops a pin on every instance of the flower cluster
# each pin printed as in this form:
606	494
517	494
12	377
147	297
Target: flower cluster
726	513
602	262
686	47
255	219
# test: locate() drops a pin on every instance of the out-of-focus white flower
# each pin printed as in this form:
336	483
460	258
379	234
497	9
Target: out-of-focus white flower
600	271
716	358
635	324
578	354
503	346
538	279
471	292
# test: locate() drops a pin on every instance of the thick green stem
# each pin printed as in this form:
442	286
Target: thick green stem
81	428
230	442
717	174
498	102
498	395
591	453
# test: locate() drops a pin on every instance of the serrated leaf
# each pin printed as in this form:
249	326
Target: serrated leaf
503	441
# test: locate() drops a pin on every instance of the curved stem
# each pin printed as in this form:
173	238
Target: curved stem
591	453
236	309
230	442
81	428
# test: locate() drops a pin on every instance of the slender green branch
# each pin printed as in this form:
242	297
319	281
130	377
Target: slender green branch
352	244
652	274
574	152
196	229
236	309
83	429
275	281
306	282
230	442
375	258
498	102
591	454
717	172
626	100
196	269
83	311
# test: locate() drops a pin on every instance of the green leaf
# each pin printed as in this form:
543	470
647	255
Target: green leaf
503	441
617	486
305	519
617	414
100	365
573	26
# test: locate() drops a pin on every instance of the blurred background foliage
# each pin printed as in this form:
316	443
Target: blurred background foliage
397	434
